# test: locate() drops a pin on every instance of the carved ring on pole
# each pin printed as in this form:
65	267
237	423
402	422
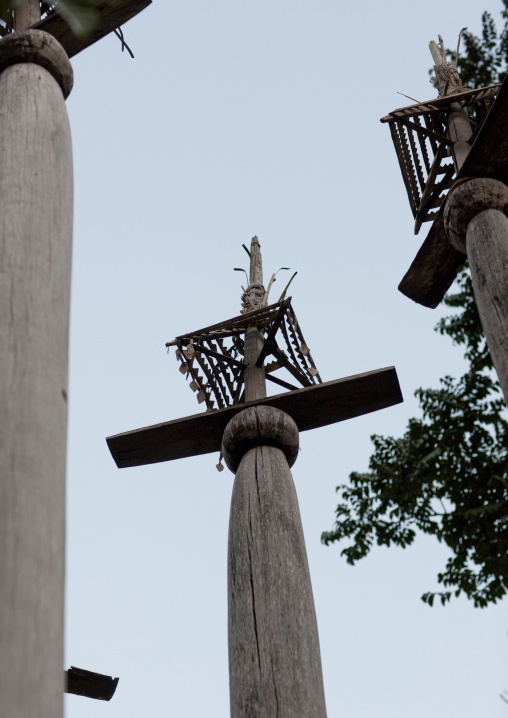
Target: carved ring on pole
259	426
469	199
39	48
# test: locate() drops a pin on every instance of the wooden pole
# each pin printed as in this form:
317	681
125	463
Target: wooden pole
27	14
274	657
35	263
254	298
476	221
448	82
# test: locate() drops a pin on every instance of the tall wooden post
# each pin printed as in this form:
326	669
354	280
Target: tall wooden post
274	657
35	261
36	198
476	221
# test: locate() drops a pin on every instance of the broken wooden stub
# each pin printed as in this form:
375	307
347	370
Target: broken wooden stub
476	221
89	684
274	658
35	269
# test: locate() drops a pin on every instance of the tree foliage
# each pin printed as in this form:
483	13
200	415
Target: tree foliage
484	60
448	475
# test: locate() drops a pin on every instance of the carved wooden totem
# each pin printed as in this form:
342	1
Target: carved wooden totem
463	192
274	658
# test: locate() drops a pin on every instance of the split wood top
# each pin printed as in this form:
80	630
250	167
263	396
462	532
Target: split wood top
311	407
437	262
110	17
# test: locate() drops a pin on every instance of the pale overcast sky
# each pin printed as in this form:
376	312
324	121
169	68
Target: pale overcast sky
237	119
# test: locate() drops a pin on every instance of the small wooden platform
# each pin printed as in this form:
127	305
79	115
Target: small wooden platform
311	407
109	18
437	262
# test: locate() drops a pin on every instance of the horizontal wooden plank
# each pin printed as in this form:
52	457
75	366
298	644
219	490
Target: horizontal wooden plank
434	268
109	18
311	407
437	262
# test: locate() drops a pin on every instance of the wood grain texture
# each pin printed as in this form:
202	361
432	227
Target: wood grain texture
109	18
35	265
275	664
487	251
254	376
311	407
28	13
437	262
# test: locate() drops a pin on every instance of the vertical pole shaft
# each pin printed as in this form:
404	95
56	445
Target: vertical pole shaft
476	221
448	82
27	14
487	253
460	132
274	656
254	377
35	263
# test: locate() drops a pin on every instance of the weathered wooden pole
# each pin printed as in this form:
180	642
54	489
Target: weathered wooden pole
476	222
448	82
274	657
35	263
27	14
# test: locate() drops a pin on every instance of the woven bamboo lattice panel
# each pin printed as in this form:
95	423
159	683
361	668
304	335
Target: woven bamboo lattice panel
419	134
212	358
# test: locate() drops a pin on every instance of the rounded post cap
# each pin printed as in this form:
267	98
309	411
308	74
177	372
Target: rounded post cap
39	48
259	426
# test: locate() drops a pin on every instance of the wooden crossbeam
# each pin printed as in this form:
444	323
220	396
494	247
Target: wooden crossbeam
437	262
311	407
280	382
109	17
